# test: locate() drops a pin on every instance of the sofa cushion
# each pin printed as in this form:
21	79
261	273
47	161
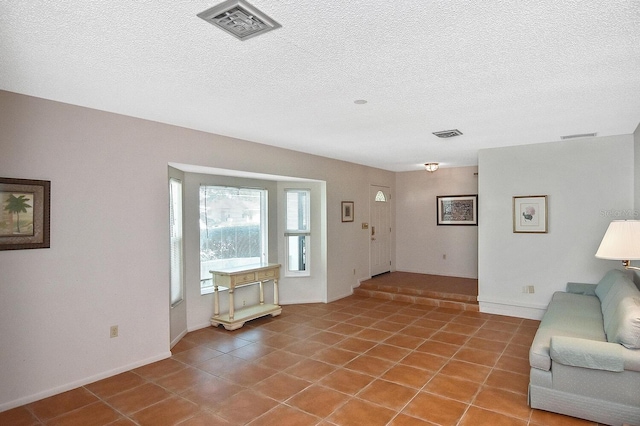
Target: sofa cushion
610	300
582	288
587	353
607	282
568	314
625	327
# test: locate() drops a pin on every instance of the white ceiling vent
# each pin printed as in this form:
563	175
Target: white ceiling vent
581	135
239	18
448	133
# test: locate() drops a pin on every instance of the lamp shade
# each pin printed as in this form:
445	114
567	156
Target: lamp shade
621	241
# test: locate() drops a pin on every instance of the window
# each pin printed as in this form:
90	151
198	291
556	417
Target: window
233	229
298	231
380	197
175	230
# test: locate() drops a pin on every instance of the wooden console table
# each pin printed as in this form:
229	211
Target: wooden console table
241	276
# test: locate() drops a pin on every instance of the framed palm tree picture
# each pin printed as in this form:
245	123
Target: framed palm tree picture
24	213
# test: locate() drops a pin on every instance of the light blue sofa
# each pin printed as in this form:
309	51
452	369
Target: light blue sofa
585	356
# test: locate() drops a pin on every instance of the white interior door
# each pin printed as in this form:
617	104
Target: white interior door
379	230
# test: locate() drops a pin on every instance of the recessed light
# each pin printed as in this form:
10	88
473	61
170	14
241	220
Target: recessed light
360	101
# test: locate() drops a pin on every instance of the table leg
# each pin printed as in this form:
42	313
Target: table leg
216	301
275	291
261	293
231	304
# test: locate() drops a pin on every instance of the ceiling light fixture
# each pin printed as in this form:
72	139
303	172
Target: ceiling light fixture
239	18
360	101
432	167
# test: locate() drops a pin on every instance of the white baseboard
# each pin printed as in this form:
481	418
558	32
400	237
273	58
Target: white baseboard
300	302
85	381
178	338
198	326
333	299
442	274
512	309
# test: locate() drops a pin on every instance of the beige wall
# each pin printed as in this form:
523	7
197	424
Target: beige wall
421	244
108	261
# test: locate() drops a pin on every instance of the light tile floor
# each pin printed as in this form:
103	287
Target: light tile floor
357	361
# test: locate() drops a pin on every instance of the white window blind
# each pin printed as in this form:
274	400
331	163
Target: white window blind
175	230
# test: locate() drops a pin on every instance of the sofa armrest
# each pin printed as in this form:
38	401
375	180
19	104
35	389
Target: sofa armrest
582	288
586	353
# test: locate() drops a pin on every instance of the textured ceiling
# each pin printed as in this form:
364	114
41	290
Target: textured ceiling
503	73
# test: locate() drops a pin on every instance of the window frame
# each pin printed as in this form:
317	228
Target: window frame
264	229
298	232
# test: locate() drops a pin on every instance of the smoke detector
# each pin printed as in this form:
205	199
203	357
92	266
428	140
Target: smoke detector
239	18
448	133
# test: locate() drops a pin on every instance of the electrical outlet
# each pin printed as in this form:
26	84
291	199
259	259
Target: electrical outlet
244	303
113	331
529	289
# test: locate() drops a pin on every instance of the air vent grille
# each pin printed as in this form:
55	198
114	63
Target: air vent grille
580	135
239	18
448	133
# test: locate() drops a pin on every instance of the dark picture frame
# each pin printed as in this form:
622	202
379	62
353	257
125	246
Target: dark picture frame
24	213
347	211
457	210
530	214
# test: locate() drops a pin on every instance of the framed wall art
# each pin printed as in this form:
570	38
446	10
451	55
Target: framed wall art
24	213
347	211
530	214
457	210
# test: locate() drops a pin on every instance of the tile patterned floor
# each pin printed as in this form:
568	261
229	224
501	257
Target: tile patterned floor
357	361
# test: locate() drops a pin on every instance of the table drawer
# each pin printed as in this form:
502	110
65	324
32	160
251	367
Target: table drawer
267	275
245	278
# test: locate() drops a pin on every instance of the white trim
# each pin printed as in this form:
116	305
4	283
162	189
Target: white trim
333	299
84	381
443	274
512	309
199	327
178	338
300	302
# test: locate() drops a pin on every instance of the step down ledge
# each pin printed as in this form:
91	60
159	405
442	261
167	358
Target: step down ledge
419	299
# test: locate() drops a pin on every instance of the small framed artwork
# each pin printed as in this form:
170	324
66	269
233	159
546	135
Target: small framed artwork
347	211
24	213
530	214
457	209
